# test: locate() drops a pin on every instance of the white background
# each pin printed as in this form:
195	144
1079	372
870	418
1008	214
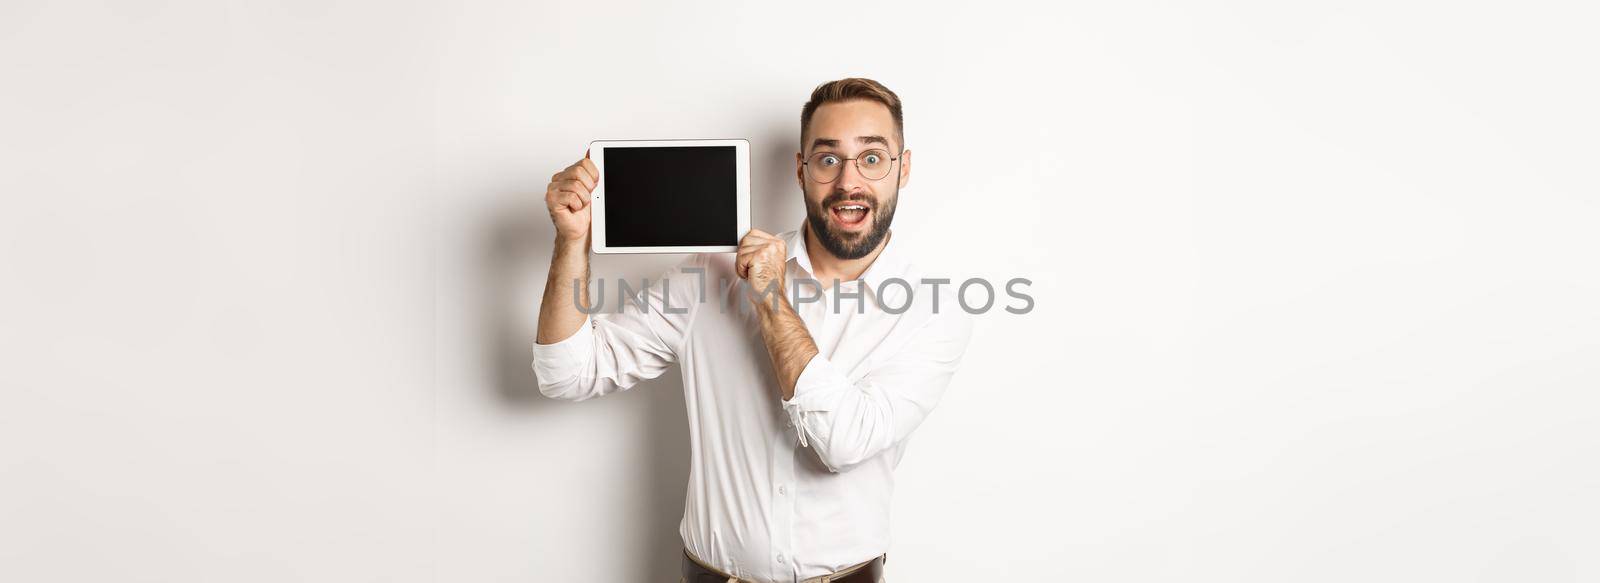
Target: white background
1315	284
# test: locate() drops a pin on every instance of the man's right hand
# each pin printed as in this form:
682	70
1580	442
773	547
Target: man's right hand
568	198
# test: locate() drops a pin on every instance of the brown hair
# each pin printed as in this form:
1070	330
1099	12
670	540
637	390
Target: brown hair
850	89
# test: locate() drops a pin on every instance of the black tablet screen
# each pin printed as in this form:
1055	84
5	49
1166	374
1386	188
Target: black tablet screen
661	197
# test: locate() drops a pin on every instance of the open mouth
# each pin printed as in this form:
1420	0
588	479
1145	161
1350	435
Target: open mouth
851	215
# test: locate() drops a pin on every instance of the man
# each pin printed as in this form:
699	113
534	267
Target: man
800	401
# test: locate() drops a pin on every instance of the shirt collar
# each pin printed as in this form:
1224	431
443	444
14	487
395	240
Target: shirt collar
890	263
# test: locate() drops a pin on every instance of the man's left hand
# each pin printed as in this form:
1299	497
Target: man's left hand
761	262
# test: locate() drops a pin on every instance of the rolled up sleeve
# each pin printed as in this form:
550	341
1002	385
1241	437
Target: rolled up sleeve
614	351
564	359
847	422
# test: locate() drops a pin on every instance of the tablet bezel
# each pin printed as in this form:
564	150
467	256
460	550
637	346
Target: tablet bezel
597	215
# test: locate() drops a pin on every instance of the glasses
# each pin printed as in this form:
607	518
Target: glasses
824	167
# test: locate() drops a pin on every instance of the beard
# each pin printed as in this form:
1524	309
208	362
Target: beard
850	246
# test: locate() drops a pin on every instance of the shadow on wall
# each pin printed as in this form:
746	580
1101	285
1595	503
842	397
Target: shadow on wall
518	245
777	202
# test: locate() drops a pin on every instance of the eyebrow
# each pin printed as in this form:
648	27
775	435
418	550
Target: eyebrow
831	143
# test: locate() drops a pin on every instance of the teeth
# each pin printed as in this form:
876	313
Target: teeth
851	207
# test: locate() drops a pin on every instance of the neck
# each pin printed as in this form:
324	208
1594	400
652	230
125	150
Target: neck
827	267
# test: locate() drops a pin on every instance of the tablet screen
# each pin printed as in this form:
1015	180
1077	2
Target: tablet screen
669	196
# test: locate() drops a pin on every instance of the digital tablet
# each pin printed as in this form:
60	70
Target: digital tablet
670	196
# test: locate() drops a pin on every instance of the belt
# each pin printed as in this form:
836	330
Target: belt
695	571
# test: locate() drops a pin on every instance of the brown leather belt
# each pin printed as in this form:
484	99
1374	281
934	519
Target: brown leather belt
868	572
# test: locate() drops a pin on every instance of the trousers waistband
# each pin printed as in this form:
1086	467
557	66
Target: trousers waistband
869	571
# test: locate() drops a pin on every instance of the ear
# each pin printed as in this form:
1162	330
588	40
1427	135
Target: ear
800	170
905	168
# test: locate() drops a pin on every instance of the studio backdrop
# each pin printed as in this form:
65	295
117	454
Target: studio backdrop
1312	285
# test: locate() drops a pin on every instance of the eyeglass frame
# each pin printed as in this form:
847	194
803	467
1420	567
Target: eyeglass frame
807	163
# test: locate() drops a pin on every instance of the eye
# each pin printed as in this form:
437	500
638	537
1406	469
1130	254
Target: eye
828	160
871	159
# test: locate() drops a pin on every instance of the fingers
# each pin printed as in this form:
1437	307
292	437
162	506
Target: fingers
584	171
773	251
745	257
758	244
756	238
572	186
569	193
572	201
754	249
741	264
575	173
594	171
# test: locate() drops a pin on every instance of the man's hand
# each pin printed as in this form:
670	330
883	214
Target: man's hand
568	198
761	262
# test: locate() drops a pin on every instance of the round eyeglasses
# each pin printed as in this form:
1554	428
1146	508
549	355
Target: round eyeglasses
825	167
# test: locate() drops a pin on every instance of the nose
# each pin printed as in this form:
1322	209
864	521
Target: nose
850	179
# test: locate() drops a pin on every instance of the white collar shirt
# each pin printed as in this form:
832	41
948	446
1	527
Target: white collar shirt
779	490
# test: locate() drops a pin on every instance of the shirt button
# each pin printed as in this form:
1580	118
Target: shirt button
780	558
782	490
